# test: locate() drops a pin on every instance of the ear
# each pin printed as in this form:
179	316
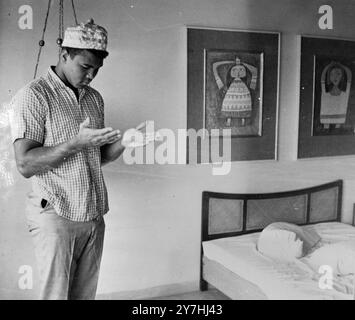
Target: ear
64	55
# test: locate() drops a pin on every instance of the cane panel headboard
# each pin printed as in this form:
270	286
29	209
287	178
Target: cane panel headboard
229	214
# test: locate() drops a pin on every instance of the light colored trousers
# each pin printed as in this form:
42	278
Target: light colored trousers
68	253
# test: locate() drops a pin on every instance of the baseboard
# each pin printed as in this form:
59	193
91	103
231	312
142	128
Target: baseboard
149	293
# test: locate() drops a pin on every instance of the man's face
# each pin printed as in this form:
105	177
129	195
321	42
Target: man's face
82	68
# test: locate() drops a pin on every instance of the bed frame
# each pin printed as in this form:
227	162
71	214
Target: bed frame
229	214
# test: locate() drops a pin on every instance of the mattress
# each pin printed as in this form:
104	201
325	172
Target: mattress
295	280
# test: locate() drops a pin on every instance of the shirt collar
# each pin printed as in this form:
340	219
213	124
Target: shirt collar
58	82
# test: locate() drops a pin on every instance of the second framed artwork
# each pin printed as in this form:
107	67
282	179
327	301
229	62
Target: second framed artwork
233	84
327	98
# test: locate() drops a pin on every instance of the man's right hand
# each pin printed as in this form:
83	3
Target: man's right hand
33	158
88	137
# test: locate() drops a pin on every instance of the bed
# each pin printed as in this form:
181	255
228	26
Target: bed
231	224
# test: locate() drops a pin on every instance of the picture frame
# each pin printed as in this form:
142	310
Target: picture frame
228	88
327	97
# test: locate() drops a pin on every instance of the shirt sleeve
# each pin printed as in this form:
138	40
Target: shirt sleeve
102	111
28	116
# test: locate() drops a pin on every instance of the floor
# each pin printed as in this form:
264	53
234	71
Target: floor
211	294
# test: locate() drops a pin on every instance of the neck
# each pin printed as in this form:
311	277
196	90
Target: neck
335	91
59	72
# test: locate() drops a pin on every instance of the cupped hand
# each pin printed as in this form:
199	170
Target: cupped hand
88	137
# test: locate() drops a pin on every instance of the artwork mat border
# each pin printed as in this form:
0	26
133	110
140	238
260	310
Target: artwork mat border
278	74
299	45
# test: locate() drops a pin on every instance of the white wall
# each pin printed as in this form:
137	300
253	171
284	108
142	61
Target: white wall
153	227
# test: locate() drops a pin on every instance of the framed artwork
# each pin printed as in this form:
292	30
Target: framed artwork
233	91
233	84
327	98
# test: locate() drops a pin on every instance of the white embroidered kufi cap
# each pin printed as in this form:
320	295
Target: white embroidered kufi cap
86	36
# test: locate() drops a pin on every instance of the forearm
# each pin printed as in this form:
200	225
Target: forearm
42	159
111	152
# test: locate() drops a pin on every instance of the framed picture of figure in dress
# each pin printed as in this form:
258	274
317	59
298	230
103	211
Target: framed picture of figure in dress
234	91
327	98
233	81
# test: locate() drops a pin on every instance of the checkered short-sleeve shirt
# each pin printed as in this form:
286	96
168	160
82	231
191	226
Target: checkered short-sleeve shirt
47	111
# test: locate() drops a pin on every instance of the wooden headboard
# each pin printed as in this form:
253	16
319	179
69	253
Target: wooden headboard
229	214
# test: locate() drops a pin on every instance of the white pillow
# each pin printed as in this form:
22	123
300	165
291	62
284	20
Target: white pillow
286	241
339	256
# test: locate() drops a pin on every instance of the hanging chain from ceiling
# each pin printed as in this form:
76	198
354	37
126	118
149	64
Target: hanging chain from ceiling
60	29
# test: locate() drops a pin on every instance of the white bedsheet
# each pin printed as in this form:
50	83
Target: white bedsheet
280	280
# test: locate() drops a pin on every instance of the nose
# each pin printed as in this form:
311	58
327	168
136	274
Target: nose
90	76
